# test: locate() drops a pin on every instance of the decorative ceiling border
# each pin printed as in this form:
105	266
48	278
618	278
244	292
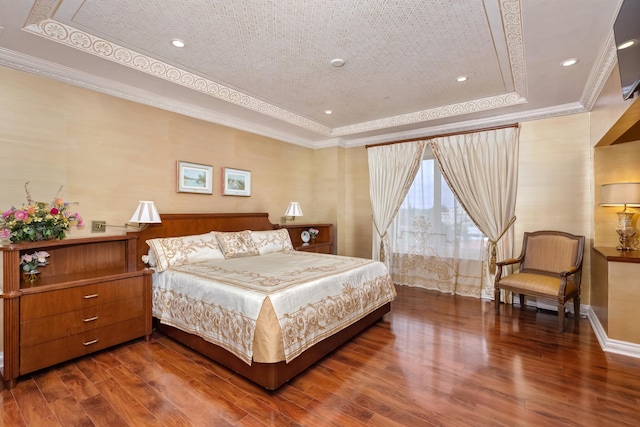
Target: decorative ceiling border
600	73
39	22
512	22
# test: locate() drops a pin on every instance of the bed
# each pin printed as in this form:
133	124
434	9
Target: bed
271	349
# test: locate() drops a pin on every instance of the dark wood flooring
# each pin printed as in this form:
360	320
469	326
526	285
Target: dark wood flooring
435	360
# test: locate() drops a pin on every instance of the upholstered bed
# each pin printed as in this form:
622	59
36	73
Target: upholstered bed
249	301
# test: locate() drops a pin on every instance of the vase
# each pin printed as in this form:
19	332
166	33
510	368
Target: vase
313	239
31	276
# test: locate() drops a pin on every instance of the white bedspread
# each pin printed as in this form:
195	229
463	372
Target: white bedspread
313	296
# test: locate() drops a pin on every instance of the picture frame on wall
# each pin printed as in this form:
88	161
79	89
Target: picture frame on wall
195	178
236	182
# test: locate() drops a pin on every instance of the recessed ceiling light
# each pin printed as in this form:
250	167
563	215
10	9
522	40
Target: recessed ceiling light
337	62
461	79
328	112
627	44
177	43
569	62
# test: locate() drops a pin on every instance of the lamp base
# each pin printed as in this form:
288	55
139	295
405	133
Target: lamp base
626	248
625	231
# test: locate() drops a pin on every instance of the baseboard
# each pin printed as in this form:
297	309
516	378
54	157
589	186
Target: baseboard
612	346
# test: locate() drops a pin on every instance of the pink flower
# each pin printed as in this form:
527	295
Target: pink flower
4	233
26	258
54	211
20	215
7	214
42	255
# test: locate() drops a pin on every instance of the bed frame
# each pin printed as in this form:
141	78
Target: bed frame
268	375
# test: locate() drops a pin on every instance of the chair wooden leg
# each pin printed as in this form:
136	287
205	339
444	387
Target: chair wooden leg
576	307
496	300
521	300
561	317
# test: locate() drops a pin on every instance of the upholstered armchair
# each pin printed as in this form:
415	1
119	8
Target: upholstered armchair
550	267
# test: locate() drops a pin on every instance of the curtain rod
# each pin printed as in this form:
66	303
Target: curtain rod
513	125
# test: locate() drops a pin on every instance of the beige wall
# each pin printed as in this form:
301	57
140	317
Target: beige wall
109	153
554	181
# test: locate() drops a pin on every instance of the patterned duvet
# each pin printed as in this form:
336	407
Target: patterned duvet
270	307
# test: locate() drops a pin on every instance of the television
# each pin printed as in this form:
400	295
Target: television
626	29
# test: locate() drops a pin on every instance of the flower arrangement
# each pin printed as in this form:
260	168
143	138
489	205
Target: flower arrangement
38	220
313	232
31	262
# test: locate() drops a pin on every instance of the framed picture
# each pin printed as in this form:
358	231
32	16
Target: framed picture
236	182
195	178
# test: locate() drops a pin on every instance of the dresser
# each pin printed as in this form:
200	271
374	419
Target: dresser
89	297
323	242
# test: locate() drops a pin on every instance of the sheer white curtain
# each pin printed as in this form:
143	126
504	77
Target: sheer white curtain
482	171
392	169
435	244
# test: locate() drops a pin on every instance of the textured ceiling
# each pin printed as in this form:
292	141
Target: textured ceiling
265	65
280	51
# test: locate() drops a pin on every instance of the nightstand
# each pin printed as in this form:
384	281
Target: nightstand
323	243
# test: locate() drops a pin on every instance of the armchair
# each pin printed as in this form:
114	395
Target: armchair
550	267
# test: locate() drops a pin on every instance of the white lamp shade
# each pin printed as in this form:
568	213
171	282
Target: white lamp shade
146	213
620	194
293	209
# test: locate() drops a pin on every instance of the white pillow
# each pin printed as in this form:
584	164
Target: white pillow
268	241
150	258
181	250
236	244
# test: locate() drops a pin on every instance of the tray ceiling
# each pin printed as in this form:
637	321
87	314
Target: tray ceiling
264	66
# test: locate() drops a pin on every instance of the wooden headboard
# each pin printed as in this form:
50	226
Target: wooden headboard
174	225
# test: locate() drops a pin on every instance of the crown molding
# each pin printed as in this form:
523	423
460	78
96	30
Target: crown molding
64	74
524	116
600	72
39	67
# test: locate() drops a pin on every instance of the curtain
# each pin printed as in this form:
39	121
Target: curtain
435	245
482	171
392	169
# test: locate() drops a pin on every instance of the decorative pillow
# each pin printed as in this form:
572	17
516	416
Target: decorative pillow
272	241
184	249
237	244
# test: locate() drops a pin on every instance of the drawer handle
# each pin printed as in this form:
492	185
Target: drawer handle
90	342
90	319
90	296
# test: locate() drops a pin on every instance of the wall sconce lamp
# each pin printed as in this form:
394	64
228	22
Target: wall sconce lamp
145	214
622	194
293	211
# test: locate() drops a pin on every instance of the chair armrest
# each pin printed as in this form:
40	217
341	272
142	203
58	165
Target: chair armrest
569	272
508	261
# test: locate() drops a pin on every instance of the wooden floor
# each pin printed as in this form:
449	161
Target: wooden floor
434	360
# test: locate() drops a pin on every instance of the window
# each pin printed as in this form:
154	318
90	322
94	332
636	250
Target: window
431	220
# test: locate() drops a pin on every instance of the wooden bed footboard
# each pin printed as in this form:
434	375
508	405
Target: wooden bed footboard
273	375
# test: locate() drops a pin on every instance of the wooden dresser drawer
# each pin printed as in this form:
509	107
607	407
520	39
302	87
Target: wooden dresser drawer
51	352
49	328
46	304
